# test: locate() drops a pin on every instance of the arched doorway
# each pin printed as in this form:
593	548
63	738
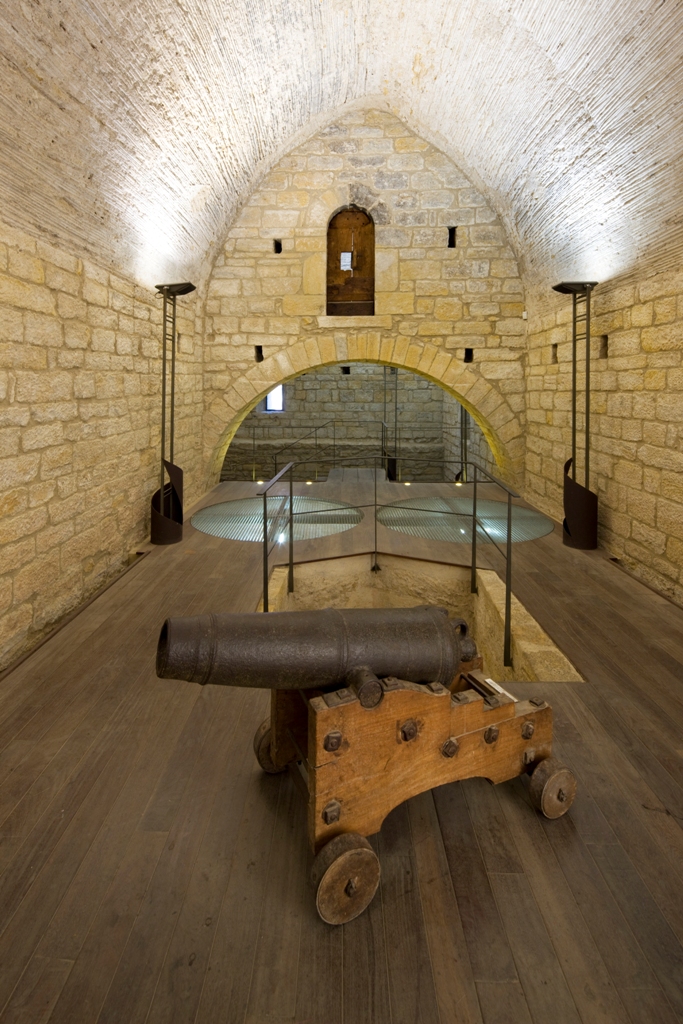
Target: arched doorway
351	263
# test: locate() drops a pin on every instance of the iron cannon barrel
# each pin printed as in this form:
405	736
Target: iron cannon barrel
300	650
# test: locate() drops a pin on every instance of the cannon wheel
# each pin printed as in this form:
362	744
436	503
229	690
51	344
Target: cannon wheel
552	787
346	875
262	748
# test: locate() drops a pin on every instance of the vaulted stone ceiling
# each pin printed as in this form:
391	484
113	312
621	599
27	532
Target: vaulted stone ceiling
132	130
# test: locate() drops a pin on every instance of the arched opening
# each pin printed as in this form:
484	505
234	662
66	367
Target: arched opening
351	264
348	429
487	407
350	414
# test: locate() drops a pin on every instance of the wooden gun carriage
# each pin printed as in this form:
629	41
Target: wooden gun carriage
368	708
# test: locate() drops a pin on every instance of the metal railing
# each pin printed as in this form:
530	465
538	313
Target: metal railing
275	529
314	432
480	475
321	449
391	443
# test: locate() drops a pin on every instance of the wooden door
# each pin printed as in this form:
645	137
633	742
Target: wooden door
351	264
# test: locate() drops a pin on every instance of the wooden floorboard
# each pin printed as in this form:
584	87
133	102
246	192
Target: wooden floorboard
411	982
149	872
367	952
456	994
227	983
273	988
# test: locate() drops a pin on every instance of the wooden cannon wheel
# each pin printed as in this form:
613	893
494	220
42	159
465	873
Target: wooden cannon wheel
346	875
552	787
262	748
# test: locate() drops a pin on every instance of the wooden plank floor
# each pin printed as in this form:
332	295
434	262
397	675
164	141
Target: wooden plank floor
150	872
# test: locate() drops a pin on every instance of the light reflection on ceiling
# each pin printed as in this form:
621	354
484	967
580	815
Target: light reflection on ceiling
132	132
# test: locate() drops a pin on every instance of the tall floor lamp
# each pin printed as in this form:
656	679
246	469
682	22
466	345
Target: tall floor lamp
580	526
167	502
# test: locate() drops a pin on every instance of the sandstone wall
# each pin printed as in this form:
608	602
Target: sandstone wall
432	302
477	446
356	402
79	428
636	421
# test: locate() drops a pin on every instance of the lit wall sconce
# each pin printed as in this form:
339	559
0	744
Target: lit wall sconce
167	502
580	526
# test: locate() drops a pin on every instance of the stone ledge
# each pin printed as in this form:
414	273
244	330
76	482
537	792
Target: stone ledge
535	658
354	321
347	583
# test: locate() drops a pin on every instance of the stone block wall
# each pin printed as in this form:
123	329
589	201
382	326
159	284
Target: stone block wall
428	419
356	402
477	446
432	302
79	428
636	421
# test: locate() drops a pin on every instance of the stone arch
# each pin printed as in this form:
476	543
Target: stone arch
490	410
433	302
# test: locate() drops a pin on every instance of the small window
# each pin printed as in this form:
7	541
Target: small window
277	246
451	237
604	346
258	353
469	355
346	370
553	353
275	399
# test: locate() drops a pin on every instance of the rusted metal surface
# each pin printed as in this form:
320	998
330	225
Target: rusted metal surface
300	650
167	520
167	501
580	525
366	686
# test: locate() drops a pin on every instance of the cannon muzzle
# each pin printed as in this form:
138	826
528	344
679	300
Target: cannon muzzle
302	650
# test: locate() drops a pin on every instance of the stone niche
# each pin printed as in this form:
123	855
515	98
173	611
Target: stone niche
404	582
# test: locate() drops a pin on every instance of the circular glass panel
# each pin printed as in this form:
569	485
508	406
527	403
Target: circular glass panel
450	519
242	519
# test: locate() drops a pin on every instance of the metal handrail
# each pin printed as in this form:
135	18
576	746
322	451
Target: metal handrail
303	437
470	462
266	551
507	640
321	426
271	483
317	460
383	445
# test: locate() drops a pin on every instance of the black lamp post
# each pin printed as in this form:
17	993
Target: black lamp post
167	502
580	526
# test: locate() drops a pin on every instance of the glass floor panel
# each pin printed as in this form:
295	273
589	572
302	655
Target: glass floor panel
450	519
242	519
